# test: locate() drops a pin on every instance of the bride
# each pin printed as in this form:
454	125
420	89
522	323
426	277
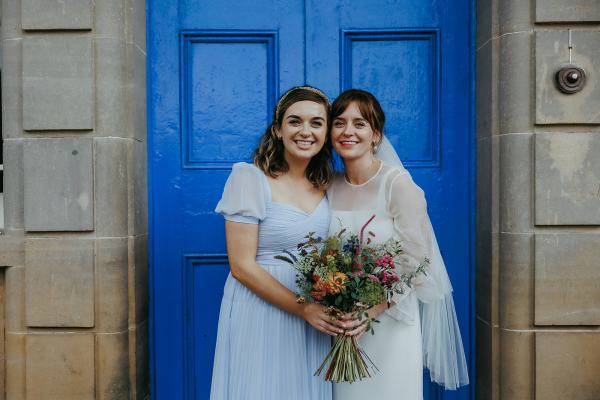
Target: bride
407	338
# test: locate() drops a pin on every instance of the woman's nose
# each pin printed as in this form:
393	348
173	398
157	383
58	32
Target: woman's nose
305	130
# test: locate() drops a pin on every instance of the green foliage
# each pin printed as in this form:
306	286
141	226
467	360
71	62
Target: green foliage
371	294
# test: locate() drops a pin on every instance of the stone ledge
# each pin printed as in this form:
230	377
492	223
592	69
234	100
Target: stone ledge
12	251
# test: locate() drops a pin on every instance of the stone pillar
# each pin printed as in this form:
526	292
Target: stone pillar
75	241
538	238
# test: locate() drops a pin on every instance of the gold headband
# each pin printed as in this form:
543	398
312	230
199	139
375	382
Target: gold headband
309	88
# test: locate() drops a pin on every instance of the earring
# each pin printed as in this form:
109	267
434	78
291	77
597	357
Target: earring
375	146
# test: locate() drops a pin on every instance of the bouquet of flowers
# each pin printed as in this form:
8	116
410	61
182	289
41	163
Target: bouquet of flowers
347	275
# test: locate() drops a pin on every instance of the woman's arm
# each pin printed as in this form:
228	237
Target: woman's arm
242	242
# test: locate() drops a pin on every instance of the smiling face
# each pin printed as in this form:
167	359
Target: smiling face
352	135
303	130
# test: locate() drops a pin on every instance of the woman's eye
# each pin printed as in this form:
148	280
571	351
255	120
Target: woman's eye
338	124
294	122
317	124
360	125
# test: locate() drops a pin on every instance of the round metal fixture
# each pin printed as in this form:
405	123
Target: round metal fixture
570	79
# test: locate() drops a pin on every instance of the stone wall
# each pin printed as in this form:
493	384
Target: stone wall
538	235
74	250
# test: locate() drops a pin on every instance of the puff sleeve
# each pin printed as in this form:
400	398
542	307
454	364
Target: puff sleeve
244	196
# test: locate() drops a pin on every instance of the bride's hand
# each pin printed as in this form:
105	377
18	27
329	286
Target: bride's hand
356	327
315	315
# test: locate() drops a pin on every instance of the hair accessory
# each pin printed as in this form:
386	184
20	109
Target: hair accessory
309	88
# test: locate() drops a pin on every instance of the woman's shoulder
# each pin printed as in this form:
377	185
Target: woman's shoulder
244	195
248	173
245	167
392	171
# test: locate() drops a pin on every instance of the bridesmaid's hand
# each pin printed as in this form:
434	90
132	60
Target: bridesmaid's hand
356	327
315	315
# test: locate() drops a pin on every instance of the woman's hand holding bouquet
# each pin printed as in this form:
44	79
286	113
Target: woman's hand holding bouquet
355	281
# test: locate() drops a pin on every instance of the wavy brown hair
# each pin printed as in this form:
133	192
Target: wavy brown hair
367	104
269	156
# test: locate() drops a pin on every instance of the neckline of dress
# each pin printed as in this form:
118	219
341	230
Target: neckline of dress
288	205
368	180
296	208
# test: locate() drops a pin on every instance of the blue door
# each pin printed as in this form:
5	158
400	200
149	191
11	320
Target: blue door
216	69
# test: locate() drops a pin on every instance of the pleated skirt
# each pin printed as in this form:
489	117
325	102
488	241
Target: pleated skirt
263	352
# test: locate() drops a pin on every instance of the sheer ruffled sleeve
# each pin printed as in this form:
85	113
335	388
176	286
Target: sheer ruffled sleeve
443	352
408	208
244	196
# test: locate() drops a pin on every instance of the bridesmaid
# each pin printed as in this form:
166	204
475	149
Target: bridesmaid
268	345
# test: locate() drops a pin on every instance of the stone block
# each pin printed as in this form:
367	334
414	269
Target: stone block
488	180
514	16
138	279
567	11
111	191
59	279
487	274
567	179
567	279
516	365
136	89
15	366
551	52
12	253
110	18
112	283
12	85
56	14
515	183
112	366
13	184
139	183
15	300
486	95
11	21
516	283
111	98
60	366
514	90
58	83
487	22
136	24
487	362
58	180
484	270
567	365
138	348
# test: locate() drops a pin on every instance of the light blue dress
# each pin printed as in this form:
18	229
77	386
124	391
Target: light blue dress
263	352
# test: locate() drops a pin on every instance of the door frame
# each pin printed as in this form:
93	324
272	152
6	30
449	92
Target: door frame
152	111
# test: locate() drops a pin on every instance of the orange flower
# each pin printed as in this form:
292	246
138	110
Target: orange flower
337	281
318	296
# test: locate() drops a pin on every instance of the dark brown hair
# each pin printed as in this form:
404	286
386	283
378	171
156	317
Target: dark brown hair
367	104
269	155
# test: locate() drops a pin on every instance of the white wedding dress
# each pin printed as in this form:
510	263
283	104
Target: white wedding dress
398	347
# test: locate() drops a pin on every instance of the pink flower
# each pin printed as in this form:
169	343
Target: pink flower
386	276
386	261
373	278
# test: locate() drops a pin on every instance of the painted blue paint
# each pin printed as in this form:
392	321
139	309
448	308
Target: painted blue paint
205	275
232	56
215	70
412	125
